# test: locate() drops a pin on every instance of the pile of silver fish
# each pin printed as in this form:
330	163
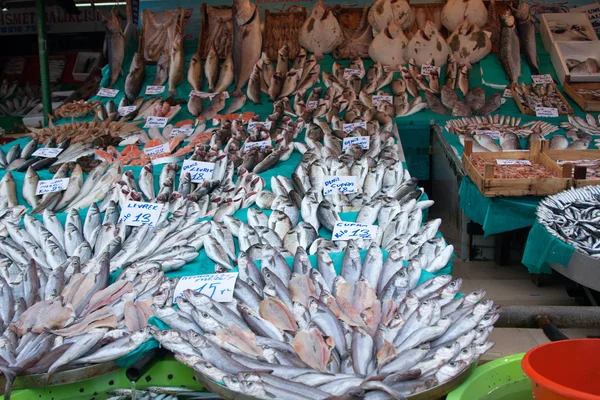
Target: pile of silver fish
159	393
542	95
572	216
308	332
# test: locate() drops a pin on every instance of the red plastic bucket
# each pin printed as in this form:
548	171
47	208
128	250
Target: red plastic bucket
568	369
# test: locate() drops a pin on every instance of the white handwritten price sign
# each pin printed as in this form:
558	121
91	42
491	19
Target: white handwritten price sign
492	134
51	185
137	213
540	79
546	112
507	94
156	122
353	230
185	131
312	105
261	145
156	150
348	128
426	69
123	111
254	124
199	171
362	141
47	152
106	92
378	99
343	184
349	73
206	95
513	162
218	287
153	90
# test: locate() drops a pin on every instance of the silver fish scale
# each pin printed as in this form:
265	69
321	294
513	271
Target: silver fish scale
573	216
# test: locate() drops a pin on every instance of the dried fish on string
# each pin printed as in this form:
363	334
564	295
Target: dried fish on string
356	41
572	216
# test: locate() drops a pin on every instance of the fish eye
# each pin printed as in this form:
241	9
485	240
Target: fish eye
205	315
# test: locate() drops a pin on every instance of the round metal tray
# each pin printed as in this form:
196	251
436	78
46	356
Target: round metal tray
431	394
582	269
61	377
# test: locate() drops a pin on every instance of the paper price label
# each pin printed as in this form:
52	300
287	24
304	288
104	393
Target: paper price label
106	92
137	213
47	152
349	73
261	145
353	230
348	128
546	112
206	95
178	131
123	111
157	122
156	150
252	125
507	94
312	105
513	162
218	287
199	171
51	185
540	79
343	184
362	141
151	90
426	69
492	134
378	99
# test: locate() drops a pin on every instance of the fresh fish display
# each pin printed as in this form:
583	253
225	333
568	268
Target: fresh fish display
159	393
571	216
469	43
457	11
321	32
587	67
542	95
382	12
499	123
135	79
510	50
428	44
247	41
589	125
389	45
526	30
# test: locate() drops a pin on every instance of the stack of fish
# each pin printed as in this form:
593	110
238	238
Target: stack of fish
282	81
588	125
106	132
543	95
474	102
572	216
159	393
57	317
375	328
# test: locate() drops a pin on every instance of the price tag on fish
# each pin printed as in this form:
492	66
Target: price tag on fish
540	79
137	213
199	171
513	162
47	152
157	122
157	150
546	112
349	73
106	92
152	90
378	99
206	95
353	230
261	145
252	125
123	111
507	94
492	134
182	131
426	69
348	128
312	105
51	186
343	184
362	141
218	287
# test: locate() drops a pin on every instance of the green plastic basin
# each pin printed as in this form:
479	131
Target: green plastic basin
501	379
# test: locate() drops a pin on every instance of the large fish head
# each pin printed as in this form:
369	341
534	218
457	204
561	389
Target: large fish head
507	19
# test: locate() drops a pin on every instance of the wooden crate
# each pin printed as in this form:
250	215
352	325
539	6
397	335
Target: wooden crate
586	102
273	40
532	112
579	172
209	24
147	29
496	187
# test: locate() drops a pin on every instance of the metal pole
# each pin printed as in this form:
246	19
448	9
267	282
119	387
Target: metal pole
561	316
40	13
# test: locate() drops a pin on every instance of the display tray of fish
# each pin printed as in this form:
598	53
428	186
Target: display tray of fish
77	109
514	171
499	123
572	216
564	31
592	166
373	327
530	97
159	393
589	66
589	124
